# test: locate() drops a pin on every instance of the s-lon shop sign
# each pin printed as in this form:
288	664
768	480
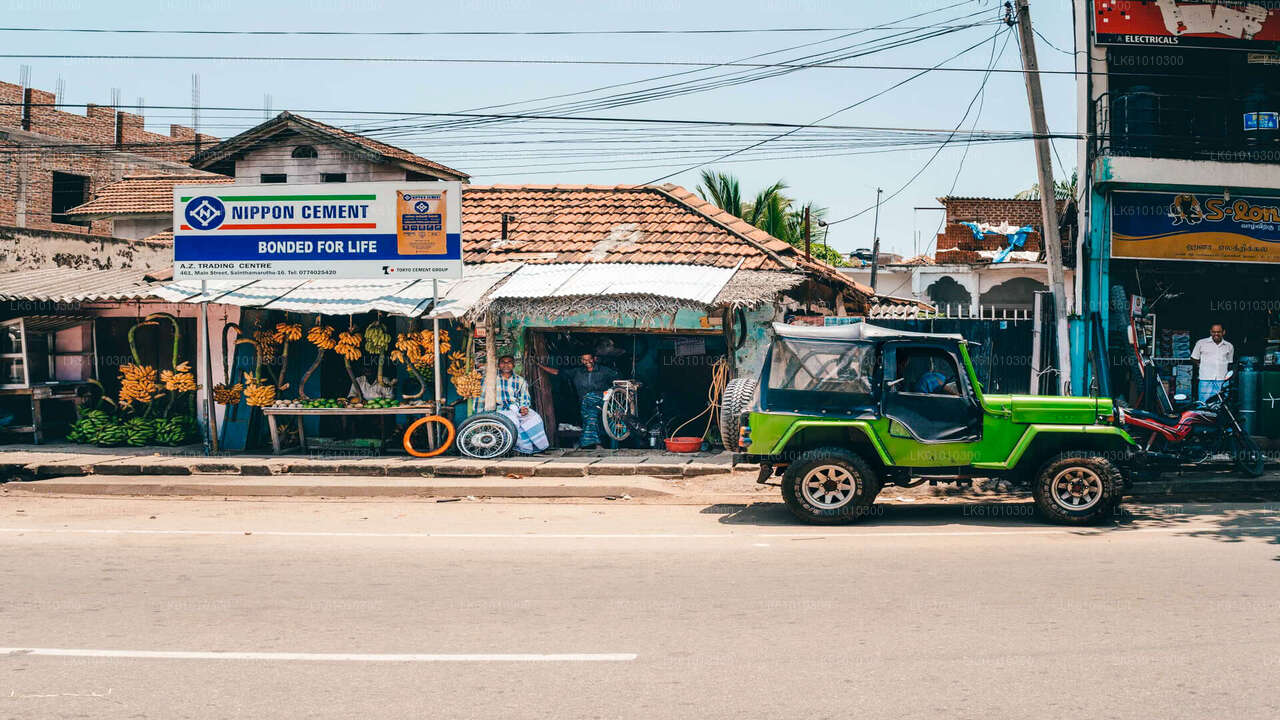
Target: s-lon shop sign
1195	226
1228	25
350	230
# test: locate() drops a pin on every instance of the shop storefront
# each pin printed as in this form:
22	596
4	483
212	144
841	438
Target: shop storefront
1180	261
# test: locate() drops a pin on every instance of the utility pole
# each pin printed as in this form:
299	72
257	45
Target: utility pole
806	233
875	241
1048	197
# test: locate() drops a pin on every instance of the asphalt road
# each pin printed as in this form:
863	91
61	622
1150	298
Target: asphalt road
303	609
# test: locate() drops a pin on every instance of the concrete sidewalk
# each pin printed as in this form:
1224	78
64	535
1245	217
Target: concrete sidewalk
75	460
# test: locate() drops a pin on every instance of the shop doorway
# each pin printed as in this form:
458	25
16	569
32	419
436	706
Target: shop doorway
1181	301
679	367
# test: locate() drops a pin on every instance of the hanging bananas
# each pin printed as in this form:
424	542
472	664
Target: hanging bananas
258	393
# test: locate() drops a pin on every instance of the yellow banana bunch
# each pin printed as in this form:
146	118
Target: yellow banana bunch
258	393
227	395
287	332
137	383
266	345
321	336
468	384
180	379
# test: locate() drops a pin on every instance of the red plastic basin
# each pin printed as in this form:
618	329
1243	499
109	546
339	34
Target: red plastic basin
684	444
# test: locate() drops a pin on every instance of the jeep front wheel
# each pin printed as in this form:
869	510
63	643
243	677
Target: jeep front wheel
1077	488
829	486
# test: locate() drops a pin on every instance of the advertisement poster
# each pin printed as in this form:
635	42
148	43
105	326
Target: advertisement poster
1228	25
349	230
1195	226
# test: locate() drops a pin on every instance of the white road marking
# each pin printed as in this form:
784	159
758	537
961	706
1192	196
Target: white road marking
1087	531
321	657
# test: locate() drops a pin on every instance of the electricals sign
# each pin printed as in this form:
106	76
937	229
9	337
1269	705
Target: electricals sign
352	230
1195	226
1228	25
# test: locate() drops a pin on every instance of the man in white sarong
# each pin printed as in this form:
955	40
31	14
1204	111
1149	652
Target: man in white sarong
514	402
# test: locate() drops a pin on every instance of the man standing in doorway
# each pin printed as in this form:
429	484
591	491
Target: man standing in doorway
589	382
1215	355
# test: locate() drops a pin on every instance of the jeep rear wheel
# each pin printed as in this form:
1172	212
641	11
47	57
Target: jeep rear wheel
1077	488
829	486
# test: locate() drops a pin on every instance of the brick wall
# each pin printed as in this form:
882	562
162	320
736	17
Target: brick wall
102	144
956	243
28	249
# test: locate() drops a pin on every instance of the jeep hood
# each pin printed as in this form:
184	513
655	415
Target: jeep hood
1050	409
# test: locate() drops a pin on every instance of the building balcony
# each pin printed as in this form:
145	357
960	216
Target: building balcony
1209	128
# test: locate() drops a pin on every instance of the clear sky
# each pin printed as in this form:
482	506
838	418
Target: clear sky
833	170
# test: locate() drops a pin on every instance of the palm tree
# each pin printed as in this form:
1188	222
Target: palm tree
772	211
1062	189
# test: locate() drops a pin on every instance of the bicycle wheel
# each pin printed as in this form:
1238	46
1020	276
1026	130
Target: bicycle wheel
421	434
614	412
486	436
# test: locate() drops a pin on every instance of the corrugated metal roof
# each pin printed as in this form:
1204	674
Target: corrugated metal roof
72	285
411	298
697	283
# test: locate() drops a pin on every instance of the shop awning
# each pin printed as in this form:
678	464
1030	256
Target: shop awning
411	298
75	285
694	283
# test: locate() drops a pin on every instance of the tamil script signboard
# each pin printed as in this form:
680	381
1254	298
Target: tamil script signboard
1229	25
1195	226
349	230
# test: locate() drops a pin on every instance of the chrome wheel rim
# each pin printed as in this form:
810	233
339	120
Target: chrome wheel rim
484	439
829	487
1076	488
613	413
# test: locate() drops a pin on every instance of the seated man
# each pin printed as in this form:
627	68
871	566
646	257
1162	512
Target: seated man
514	402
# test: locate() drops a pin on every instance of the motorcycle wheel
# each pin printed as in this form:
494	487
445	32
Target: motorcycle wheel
1249	459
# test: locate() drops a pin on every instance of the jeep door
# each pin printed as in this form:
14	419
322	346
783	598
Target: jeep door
927	393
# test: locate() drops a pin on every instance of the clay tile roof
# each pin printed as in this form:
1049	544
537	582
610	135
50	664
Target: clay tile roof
142	194
379	151
621	223
594	223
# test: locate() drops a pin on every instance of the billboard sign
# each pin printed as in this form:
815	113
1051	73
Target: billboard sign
1195	226
349	230
1228	25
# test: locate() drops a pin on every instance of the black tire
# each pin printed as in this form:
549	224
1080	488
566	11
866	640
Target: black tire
800	486
1077	487
486	435
1248	458
737	393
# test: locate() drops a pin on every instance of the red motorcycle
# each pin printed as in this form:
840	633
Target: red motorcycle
1193	436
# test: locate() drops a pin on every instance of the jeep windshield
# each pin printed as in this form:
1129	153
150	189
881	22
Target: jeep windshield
819	375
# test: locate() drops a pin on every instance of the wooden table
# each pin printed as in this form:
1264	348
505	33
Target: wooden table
39	394
272	412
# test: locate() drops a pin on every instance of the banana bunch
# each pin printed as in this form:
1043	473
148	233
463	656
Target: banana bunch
112	434
177	430
180	379
321	336
267	345
137	383
376	338
348	345
416	348
258	393
469	384
224	394
140	431
287	332
86	428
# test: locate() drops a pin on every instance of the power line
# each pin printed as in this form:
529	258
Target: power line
445	33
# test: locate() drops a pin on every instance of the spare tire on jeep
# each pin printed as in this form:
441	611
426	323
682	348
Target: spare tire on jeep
737	393
830	486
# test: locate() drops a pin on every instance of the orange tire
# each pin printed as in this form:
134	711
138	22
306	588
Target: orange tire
408	433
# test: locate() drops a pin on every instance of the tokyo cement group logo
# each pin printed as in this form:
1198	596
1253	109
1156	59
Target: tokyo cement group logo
205	213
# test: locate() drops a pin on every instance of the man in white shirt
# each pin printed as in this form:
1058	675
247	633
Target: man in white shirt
1215	355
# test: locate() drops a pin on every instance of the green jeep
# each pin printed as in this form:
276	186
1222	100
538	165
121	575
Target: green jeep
842	411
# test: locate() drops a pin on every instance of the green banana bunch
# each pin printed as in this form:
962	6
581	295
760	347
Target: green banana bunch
376	338
86	428
177	430
112	434
141	431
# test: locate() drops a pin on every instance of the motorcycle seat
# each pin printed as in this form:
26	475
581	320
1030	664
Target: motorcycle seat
1157	417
